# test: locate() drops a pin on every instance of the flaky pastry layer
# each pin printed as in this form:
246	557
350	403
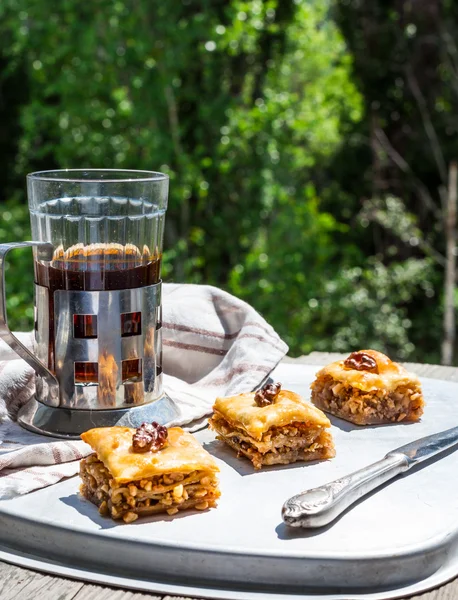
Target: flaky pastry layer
242	412
181	454
389	377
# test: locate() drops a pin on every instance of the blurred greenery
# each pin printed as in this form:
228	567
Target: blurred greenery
15	226
303	177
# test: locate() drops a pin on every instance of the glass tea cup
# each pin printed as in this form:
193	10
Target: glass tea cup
97	248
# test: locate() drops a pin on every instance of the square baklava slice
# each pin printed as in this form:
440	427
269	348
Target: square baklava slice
368	388
272	426
149	470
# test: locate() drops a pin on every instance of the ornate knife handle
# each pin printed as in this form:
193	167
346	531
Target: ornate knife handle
319	506
45	251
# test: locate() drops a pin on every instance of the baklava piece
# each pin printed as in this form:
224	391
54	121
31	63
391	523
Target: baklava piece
368	388
272	426
149	470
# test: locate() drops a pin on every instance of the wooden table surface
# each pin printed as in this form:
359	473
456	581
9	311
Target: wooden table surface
23	584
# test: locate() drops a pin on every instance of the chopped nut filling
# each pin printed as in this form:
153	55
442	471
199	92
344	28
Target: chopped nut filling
405	403
169	493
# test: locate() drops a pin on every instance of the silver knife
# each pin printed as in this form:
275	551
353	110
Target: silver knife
320	506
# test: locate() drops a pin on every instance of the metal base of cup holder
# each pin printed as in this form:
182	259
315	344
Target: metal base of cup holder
68	424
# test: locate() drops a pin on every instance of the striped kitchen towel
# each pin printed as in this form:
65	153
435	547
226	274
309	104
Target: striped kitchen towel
213	345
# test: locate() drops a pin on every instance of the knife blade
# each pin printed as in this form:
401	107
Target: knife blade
320	506
427	447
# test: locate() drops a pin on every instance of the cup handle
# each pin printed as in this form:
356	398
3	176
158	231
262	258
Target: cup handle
45	251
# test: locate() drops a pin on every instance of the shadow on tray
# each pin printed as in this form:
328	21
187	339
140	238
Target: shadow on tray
349	427
87	509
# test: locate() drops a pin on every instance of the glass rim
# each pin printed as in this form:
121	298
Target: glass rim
71	176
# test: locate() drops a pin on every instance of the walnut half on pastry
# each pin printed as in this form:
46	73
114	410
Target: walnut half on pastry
368	388
272	426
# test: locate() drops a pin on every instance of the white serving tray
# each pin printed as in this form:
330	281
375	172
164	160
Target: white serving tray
399	541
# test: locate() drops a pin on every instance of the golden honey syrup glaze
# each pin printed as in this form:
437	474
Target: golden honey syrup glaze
368	388
127	484
285	431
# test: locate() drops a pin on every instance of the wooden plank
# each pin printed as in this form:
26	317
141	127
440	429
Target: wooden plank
449	591
99	592
22	584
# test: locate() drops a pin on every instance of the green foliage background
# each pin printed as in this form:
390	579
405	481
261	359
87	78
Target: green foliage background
261	112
